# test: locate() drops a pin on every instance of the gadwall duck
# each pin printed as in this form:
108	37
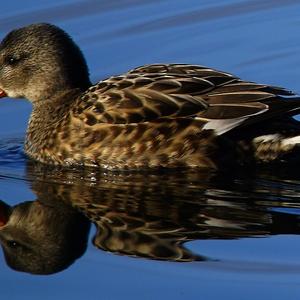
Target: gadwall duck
160	115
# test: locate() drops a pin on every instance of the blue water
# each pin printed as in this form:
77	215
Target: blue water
244	228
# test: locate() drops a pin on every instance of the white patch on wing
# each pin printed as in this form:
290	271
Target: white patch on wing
220	126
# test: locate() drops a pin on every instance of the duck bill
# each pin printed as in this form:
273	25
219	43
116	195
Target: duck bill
5	211
2	93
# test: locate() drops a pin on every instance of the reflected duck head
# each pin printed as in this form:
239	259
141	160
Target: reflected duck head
42	238
38	61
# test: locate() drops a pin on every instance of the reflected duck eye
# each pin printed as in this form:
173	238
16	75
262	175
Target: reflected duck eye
13	244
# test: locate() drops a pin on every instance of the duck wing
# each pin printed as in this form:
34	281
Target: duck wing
158	91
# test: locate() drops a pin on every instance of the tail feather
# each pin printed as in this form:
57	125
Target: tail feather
275	147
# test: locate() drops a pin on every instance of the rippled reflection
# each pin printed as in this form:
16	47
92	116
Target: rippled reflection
141	214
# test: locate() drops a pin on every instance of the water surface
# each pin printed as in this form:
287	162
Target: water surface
179	235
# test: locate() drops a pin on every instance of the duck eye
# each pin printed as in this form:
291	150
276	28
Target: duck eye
12	60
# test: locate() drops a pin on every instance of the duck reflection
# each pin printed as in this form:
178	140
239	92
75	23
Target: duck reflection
135	214
42	237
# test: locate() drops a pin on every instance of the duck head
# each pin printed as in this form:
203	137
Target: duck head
38	61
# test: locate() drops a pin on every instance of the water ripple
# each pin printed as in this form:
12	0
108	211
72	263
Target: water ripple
200	15
11	152
64	12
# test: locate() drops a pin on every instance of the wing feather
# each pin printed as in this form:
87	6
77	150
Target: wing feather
157	91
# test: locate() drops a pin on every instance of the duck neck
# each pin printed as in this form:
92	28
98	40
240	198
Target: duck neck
46	116
52	109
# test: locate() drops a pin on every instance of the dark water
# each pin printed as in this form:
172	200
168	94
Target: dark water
171	235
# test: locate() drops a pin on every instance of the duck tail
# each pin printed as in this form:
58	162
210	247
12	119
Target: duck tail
276	148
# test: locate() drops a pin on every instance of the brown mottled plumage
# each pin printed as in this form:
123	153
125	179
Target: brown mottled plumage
174	115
